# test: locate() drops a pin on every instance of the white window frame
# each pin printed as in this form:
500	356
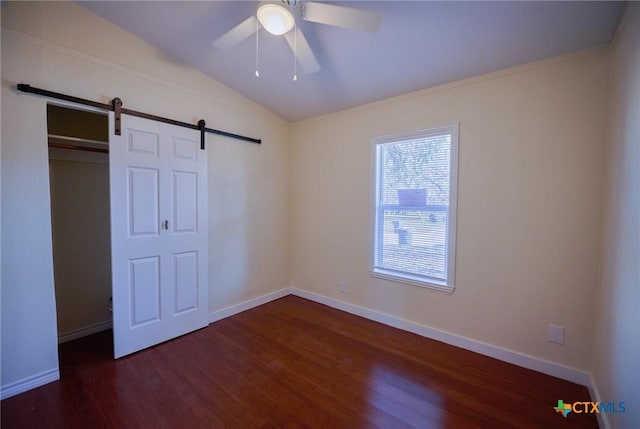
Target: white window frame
401	276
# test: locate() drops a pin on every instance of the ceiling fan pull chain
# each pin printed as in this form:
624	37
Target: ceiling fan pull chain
295	52
257	46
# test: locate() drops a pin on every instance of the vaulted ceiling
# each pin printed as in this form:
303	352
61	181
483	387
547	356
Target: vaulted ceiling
419	44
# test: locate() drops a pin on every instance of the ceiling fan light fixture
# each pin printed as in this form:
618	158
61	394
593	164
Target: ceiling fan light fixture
275	19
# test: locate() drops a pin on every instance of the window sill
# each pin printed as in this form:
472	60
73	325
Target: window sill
413	281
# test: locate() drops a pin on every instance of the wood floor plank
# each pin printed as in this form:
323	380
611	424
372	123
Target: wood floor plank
292	363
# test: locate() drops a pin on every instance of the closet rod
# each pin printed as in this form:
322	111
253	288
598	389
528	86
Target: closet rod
78	147
116	107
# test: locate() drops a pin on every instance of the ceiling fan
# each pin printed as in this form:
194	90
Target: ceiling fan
279	17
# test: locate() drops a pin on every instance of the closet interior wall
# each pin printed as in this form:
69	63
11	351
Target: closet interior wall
79	180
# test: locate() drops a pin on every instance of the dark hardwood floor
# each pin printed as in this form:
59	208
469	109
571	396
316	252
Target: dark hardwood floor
292	363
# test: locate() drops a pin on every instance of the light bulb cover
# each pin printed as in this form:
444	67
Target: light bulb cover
275	19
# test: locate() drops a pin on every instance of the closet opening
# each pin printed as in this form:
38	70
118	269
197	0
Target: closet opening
78	143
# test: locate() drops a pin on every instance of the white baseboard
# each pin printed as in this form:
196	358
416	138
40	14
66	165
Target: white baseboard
29	383
526	361
214	316
83	332
603	419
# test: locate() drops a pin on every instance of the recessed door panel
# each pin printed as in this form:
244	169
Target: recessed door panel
185	268
143	201
144	284
185	201
144	143
185	149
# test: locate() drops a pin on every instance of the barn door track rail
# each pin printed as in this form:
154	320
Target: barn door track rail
116	107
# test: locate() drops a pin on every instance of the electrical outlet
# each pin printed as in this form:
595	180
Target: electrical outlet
343	287
556	334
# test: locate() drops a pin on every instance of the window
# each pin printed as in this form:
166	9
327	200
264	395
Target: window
414	207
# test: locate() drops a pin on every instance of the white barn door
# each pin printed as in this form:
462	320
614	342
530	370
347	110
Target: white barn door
158	180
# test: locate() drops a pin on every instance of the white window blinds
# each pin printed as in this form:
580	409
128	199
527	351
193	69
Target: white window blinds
414	219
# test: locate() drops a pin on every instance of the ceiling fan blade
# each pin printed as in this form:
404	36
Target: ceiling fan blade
303	51
341	16
237	34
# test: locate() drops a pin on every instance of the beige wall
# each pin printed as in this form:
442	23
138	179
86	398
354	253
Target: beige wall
81	243
616	349
62	47
530	184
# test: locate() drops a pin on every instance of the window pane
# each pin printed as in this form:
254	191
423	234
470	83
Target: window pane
421	164
415	242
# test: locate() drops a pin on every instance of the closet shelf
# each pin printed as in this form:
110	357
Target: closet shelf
74	143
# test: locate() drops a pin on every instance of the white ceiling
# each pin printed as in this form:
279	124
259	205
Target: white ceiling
420	44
